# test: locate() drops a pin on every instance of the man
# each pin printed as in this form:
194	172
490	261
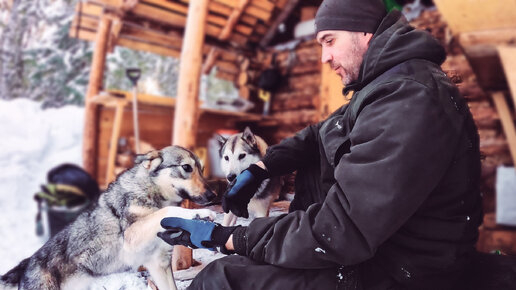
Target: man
387	192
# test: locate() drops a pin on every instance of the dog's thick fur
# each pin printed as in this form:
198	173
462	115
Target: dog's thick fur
237	152
119	233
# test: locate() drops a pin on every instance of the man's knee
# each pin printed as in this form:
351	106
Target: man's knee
221	273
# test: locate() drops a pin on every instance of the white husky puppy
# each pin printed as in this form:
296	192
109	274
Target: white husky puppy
237	152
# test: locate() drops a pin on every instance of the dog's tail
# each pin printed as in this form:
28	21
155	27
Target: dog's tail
12	278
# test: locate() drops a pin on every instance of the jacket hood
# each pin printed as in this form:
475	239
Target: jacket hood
395	42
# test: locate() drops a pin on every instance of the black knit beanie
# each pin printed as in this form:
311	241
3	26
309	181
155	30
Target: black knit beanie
350	15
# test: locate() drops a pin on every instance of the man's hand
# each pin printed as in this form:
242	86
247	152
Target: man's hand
195	233
242	189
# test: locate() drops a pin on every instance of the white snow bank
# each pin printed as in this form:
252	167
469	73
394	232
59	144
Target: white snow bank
32	142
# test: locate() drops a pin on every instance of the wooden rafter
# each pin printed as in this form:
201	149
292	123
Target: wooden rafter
233	20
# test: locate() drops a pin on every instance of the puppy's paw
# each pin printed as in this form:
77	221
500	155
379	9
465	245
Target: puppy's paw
204	214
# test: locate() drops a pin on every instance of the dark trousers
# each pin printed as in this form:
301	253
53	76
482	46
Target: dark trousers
238	272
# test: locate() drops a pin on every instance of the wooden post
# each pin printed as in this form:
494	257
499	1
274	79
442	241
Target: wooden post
89	149
187	104
507	123
113	144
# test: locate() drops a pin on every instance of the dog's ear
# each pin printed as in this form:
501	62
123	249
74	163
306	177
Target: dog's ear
221	140
149	161
248	136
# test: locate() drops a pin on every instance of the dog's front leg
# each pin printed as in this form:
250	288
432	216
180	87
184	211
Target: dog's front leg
230	219
161	271
144	231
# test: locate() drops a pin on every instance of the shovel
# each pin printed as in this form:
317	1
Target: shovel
133	74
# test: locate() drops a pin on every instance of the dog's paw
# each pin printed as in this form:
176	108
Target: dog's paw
203	214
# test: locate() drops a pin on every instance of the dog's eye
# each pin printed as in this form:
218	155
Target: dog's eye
187	167
226	158
241	156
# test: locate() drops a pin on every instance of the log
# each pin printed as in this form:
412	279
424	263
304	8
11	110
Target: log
243	78
210	60
244	93
187	104
233	20
89	151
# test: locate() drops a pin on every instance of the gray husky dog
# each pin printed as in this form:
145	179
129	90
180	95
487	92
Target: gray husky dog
237	152
120	232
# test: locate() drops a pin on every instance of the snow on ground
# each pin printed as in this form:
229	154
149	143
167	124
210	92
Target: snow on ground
34	141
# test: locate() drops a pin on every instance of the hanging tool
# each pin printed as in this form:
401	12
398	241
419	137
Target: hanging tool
133	74
270	80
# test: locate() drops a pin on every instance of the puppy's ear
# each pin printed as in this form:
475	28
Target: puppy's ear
221	140
248	136
149	161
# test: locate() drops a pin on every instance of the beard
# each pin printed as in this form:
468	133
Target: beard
351	68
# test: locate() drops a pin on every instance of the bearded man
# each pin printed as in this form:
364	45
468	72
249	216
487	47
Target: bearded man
387	187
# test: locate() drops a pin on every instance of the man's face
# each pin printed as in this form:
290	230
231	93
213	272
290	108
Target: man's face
344	52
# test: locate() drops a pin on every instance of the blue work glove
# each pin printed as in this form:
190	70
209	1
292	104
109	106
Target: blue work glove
241	190
195	233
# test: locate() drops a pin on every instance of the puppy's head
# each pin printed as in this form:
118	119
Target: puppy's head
177	173
238	152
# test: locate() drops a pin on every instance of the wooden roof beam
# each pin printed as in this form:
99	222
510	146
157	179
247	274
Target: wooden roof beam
233	20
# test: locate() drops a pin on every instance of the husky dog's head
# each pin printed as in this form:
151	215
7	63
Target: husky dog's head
177	173
239	151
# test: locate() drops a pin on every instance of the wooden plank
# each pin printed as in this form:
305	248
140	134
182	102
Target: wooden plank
88	8
507	122
264	5
186	116
230	3
145	99
471	15
89	151
216	7
233	19
258	13
131	43
136	45
249	20
508	58
485	62
152	36
113	144
492	37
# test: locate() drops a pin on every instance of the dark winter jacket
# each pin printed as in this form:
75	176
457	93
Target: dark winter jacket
390	180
